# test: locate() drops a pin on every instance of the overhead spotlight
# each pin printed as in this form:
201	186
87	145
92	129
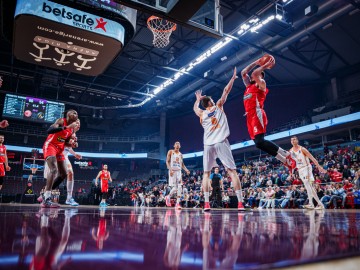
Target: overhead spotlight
94	113
223	58
101	114
311	10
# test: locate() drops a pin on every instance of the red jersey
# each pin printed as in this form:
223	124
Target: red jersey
58	139
2	153
254	98
105	175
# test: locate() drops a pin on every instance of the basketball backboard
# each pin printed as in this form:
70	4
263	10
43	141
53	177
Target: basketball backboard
202	15
29	163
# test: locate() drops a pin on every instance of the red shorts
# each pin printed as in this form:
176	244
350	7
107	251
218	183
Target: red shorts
104	186
51	150
256	122
2	169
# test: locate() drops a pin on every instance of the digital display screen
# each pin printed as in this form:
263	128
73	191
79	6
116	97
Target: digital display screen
32	109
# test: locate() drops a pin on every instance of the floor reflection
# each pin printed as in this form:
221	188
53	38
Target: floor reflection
129	238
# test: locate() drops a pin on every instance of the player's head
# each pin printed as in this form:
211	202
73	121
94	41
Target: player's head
253	81
105	167
294	141
71	115
216	170
177	145
207	102
78	127
1	138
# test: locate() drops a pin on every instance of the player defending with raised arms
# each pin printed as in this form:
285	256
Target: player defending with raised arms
105	177
254	98
302	156
216	144
174	163
60	134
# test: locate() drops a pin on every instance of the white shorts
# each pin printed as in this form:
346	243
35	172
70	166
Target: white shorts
175	179
306	174
219	150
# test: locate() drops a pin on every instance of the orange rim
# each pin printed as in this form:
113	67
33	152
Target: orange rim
173	28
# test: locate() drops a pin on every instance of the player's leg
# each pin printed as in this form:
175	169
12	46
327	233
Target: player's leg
52	172
173	186
223	151
104	193
70	184
209	161
305	177
313	190
2	175
179	189
62	173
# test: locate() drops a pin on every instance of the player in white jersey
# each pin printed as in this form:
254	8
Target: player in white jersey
301	156
174	163
216	144
70	175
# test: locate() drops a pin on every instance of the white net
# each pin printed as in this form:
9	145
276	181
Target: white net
161	30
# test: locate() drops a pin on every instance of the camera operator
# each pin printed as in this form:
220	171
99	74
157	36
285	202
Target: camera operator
217	186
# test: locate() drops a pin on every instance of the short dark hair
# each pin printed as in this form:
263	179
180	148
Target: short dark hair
205	101
294	137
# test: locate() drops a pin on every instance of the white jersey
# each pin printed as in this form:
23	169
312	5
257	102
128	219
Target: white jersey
215	124
301	160
66	152
175	161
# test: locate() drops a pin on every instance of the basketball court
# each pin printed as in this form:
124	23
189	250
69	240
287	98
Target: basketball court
130	68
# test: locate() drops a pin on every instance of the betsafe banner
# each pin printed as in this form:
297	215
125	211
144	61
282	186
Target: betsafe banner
61	37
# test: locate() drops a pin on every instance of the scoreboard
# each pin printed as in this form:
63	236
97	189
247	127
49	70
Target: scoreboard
32	109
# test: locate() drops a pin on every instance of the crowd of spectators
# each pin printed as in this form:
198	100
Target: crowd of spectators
266	184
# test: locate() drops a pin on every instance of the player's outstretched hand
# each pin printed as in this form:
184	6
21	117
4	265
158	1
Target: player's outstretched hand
4	124
234	77
198	95
73	125
322	170
8	168
78	156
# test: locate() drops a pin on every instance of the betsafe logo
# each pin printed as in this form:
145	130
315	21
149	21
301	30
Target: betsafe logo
79	20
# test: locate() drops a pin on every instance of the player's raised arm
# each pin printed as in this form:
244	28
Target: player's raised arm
227	90
311	157
244	73
199	97
258	75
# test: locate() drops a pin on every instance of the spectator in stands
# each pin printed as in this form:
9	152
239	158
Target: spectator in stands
346	172
251	198
347	186
270	194
225	199
263	202
337	194
287	198
357	180
279	196
301	198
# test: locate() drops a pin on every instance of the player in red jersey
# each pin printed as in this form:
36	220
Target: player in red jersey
60	134
254	98
3	160
105	177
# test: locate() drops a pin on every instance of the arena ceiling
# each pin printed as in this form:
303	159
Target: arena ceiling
308	50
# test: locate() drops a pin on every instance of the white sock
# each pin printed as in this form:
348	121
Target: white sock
69	187
206	196
47	194
283	152
239	195
280	157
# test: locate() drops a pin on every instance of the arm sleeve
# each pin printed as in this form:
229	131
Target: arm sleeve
53	130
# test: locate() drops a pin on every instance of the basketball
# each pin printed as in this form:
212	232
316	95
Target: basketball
265	59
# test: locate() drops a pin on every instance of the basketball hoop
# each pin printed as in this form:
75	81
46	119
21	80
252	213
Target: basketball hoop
161	30
33	168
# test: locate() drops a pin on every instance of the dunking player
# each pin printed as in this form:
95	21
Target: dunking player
302	156
69	169
60	134
174	163
105	177
3	160
254	98
216	145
